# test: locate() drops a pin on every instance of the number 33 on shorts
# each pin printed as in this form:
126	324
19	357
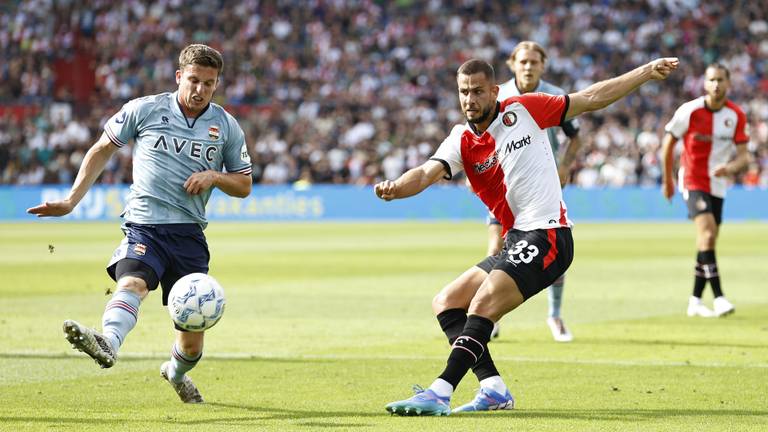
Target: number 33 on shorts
522	252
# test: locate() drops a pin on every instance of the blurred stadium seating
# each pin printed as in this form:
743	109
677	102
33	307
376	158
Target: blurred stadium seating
353	91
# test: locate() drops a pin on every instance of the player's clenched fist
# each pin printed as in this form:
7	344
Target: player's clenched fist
385	190
661	68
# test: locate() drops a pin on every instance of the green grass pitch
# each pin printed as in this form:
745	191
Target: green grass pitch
328	322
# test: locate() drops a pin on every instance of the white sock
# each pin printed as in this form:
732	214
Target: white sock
494	383
442	388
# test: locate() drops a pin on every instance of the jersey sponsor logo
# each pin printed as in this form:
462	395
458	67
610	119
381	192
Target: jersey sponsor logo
121	119
517	145
140	249
213	132
195	148
509	119
702	137
487	164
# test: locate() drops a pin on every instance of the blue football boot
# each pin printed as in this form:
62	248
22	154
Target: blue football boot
423	403
488	400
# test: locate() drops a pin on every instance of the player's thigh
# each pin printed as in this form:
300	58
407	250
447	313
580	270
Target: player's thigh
139	255
700	202
136	276
459	292
188	253
706	231
536	259
497	295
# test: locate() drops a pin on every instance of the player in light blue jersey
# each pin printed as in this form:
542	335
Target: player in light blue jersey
527	62
184	146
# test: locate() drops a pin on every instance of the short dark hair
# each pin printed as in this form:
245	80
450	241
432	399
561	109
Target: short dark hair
201	55
716	65
474	66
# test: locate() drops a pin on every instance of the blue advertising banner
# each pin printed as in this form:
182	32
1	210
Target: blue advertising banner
346	202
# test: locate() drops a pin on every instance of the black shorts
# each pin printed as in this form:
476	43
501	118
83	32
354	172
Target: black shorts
171	250
534	259
701	202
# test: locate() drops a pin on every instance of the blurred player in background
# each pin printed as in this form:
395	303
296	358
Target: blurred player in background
505	152
182	142
711	128
527	62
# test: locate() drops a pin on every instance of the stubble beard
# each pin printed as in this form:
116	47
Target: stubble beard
483	117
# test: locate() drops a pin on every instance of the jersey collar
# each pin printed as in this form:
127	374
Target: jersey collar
180	111
520	92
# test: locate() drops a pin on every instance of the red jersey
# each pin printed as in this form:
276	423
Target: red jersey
511	166
709	137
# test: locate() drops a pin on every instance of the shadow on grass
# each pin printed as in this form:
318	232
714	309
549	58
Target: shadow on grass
660	342
604	341
277	414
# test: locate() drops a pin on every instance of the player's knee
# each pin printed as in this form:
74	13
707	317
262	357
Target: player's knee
707	239
447	299
439	303
133	284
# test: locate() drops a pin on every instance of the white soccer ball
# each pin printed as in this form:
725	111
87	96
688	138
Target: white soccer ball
196	302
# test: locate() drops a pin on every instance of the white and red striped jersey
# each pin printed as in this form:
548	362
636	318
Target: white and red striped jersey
511	166
708	138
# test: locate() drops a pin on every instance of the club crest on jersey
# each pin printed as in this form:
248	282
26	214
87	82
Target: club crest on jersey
729	123
213	132
509	119
140	249
487	164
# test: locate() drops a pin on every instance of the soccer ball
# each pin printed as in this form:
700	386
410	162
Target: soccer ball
196	302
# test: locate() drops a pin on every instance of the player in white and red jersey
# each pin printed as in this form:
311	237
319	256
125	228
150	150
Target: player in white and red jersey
527	61
710	127
504	150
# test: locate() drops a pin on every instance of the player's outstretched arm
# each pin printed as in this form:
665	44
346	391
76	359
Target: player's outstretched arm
667	159
93	164
604	93
411	182
232	184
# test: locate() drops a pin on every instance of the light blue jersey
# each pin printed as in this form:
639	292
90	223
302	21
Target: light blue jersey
570	126
170	147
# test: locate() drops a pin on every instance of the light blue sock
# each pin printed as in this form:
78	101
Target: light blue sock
181	363
120	316
556	297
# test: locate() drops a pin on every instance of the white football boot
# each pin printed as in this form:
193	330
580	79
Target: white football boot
559	331
697	308
722	307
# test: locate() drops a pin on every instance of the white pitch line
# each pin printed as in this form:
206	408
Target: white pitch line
299	357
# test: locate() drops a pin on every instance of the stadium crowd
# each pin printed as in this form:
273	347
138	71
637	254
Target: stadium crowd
353	91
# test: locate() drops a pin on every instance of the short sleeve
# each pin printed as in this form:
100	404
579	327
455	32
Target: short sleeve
123	126
236	158
547	110
449	152
679	123
741	136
